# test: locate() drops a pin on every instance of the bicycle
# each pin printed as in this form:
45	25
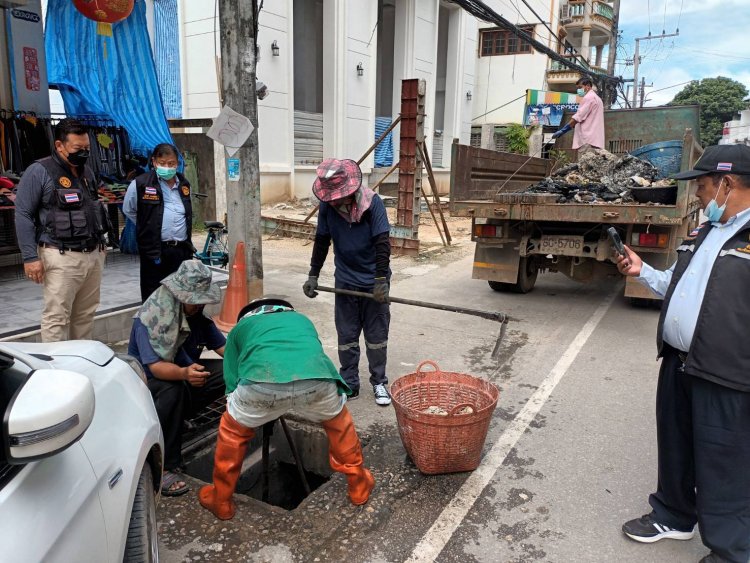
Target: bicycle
215	251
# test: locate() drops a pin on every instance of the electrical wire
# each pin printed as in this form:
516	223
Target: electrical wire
680	15
481	11
499	107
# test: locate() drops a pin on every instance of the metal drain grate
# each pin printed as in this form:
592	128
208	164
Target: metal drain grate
203	426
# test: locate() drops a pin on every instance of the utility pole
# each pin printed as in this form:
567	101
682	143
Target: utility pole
612	51
238	61
643	90
637	61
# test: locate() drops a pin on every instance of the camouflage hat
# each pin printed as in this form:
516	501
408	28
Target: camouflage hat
191	284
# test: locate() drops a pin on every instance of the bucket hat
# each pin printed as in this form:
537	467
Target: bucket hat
726	159
337	179
191	284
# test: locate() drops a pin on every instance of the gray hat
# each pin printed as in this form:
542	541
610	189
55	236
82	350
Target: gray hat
191	284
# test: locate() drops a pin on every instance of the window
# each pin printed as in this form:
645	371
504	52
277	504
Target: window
503	42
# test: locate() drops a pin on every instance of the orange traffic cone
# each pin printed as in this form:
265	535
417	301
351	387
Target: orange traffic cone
235	297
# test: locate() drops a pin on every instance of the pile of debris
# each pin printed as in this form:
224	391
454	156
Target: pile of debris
600	177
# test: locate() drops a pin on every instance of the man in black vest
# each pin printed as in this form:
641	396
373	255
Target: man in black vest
158	202
703	394
60	225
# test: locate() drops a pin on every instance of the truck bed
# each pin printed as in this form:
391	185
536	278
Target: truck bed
490	184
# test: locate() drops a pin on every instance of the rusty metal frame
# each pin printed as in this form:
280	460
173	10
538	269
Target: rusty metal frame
405	233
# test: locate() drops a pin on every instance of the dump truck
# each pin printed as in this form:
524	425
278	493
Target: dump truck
520	235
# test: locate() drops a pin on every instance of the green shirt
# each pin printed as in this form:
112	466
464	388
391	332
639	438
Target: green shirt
276	348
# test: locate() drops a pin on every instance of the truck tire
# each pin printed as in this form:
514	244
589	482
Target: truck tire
527	273
142	544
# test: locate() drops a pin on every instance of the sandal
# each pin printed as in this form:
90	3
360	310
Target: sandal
168	482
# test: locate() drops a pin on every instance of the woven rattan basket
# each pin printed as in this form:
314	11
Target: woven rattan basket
438	443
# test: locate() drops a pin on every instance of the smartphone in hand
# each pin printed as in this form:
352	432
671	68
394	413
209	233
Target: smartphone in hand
616	241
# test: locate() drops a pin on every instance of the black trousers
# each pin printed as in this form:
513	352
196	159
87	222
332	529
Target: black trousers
171	258
703	433
353	316
177	400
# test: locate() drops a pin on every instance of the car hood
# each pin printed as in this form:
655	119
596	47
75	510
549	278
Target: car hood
91	350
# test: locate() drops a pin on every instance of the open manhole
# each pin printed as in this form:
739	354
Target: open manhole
284	486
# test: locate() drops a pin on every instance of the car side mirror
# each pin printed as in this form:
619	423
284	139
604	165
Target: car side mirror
49	413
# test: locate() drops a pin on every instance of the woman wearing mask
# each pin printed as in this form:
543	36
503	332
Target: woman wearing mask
158	202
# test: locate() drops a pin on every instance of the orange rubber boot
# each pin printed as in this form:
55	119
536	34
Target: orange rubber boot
345	456
231	446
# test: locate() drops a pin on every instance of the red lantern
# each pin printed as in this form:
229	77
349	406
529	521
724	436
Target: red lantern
105	11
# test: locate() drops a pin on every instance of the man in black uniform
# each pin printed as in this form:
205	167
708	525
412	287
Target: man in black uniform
60	225
703	395
158	202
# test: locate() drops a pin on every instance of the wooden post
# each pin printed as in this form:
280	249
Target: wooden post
237	22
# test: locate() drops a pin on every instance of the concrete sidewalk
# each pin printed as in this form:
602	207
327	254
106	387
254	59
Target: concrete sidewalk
120	297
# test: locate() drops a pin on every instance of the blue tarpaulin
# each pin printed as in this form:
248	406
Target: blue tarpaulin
110	76
167	50
384	151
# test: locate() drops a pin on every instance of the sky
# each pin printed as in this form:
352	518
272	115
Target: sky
713	41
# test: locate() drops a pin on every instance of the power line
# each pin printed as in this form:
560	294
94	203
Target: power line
481	11
672	86
680	15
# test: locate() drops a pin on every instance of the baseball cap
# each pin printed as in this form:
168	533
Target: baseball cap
727	159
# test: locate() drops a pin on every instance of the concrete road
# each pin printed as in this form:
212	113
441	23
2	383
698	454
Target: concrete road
570	454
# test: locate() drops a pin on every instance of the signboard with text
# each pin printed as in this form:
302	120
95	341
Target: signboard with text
546	108
27	63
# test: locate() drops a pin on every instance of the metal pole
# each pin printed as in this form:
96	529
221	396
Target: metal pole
295	455
237	19
267	431
612	55
636	62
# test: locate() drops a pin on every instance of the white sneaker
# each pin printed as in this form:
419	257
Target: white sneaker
382	397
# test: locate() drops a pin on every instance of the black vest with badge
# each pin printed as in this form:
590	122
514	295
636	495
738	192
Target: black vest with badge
151	212
74	217
719	351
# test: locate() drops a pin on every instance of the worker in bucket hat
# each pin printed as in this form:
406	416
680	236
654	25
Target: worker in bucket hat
168	336
353	217
275	364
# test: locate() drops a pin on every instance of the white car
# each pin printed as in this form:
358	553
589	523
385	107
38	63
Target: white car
81	459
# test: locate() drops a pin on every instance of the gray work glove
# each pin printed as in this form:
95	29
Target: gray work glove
310	286
380	290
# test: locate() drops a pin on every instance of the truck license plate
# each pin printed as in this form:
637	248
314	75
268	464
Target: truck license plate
566	246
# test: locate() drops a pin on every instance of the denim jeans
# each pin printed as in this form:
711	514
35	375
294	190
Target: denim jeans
254	404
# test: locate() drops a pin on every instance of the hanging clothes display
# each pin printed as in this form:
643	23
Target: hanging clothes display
24	139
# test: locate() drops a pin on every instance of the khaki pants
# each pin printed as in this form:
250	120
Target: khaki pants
72	282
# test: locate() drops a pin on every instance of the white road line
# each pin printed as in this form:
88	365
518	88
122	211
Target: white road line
436	538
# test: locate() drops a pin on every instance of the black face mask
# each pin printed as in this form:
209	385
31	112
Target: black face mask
78	158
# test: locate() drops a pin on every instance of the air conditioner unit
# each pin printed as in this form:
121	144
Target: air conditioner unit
13	3
565	14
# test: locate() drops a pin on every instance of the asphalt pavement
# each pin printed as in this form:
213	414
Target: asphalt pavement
570	455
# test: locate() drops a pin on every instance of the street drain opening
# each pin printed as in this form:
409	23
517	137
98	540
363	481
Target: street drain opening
283	486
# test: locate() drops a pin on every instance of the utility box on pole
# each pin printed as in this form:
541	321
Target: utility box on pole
238	24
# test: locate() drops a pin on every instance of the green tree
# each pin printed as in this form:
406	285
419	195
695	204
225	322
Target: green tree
720	98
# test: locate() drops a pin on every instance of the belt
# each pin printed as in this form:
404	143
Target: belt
682	356
68	249
174	242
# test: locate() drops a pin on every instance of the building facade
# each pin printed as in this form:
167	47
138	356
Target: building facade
333	69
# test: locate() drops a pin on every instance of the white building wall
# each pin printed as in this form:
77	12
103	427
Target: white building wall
500	79
349	100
